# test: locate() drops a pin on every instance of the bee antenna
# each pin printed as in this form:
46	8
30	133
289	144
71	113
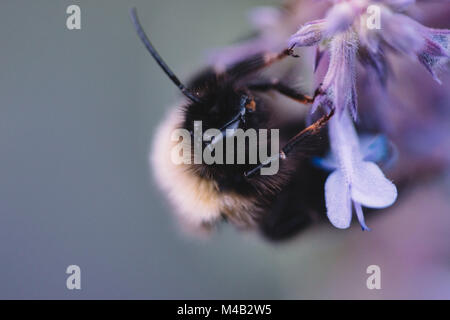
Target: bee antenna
141	33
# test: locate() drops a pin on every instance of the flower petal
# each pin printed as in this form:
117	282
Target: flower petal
324	102
402	33
436	53
340	17
340	80
337	199
376	63
308	35
344	141
399	5
370	187
360	215
319	56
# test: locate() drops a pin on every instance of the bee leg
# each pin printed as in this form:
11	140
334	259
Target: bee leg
283	89
303	135
298	140
254	63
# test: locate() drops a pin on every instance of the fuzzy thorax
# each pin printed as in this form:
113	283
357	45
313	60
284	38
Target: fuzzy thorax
197	200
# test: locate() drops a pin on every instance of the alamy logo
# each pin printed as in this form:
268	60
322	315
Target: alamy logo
74	279
242	147
374	280
372	19
73	21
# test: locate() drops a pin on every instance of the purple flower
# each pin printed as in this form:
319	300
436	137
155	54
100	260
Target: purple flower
348	32
355	180
435	55
430	46
339	84
396	32
309	35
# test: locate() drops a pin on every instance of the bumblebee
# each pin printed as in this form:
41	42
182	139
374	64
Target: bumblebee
203	195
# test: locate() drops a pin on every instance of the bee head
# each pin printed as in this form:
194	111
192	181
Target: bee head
225	109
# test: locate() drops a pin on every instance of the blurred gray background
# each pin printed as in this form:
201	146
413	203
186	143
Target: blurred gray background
78	111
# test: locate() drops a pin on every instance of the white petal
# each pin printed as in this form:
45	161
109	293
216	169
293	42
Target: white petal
370	187
360	215
344	141
337	199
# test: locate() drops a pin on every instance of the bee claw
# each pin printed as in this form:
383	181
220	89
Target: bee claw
290	52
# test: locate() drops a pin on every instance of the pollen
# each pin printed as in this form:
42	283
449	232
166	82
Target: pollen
251	105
